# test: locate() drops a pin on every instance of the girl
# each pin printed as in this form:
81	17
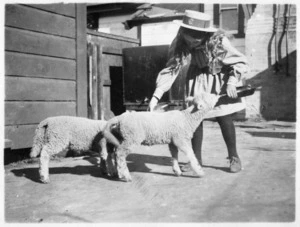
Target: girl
204	56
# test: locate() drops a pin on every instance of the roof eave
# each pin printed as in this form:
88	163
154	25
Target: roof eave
139	21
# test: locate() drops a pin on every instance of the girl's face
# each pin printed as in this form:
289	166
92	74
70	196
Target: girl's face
193	38
195	34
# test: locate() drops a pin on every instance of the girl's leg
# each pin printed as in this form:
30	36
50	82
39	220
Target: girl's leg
229	135
197	142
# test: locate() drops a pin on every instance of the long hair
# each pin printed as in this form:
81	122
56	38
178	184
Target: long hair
208	43
214	44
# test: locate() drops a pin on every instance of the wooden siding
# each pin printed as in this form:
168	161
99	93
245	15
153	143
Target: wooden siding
22	88
59	8
24	141
34	112
81	61
44	47
38	43
109	54
19	16
20	64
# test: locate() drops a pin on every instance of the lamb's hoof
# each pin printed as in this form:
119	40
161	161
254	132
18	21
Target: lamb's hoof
112	172
45	180
126	179
200	173
177	173
113	175
103	172
186	167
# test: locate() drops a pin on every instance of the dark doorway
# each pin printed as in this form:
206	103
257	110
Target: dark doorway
116	92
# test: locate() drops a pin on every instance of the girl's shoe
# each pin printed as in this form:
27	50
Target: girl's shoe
235	165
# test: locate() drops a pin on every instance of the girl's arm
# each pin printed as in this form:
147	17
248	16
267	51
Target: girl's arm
164	82
238	66
236	60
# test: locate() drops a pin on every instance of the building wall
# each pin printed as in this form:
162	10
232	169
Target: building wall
164	32
161	33
209	9
238	43
45	66
113	25
272	58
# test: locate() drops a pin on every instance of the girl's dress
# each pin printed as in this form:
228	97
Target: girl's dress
205	69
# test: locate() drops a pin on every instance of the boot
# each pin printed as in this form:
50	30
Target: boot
235	164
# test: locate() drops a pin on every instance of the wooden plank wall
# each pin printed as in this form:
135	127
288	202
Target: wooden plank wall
45	66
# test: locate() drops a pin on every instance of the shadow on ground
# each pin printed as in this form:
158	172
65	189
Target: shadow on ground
33	173
284	135
135	163
142	159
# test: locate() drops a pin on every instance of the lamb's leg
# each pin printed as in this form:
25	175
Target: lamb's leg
121	154
187	149
44	165
51	148
174	153
111	160
111	164
103	156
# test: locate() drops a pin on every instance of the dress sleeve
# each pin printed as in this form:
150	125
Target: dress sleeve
168	75
236	61
165	79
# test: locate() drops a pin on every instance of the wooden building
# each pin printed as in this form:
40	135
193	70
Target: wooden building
48	70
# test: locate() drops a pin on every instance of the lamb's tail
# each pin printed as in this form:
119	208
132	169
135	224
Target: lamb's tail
107	132
39	139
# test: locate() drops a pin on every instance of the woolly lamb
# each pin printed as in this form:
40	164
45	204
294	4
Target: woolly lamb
175	128
63	133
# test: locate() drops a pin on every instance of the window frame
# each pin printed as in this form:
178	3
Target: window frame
240	32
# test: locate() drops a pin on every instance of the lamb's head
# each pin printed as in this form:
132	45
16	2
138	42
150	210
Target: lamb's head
203	101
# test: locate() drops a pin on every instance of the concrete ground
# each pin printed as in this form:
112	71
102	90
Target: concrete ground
264	191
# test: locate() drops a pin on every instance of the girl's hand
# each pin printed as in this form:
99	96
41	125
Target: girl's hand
231	91
152	104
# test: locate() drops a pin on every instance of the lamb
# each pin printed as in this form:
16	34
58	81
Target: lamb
175	128
63	133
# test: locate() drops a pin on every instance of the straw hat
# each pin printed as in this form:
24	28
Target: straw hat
196	21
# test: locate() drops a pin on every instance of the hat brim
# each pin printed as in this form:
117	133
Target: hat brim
210	29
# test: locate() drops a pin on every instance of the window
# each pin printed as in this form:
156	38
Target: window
230	17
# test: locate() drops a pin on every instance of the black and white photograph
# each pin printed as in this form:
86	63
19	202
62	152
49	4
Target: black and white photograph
150	112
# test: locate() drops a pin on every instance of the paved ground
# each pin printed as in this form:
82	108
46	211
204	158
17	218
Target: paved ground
263	192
